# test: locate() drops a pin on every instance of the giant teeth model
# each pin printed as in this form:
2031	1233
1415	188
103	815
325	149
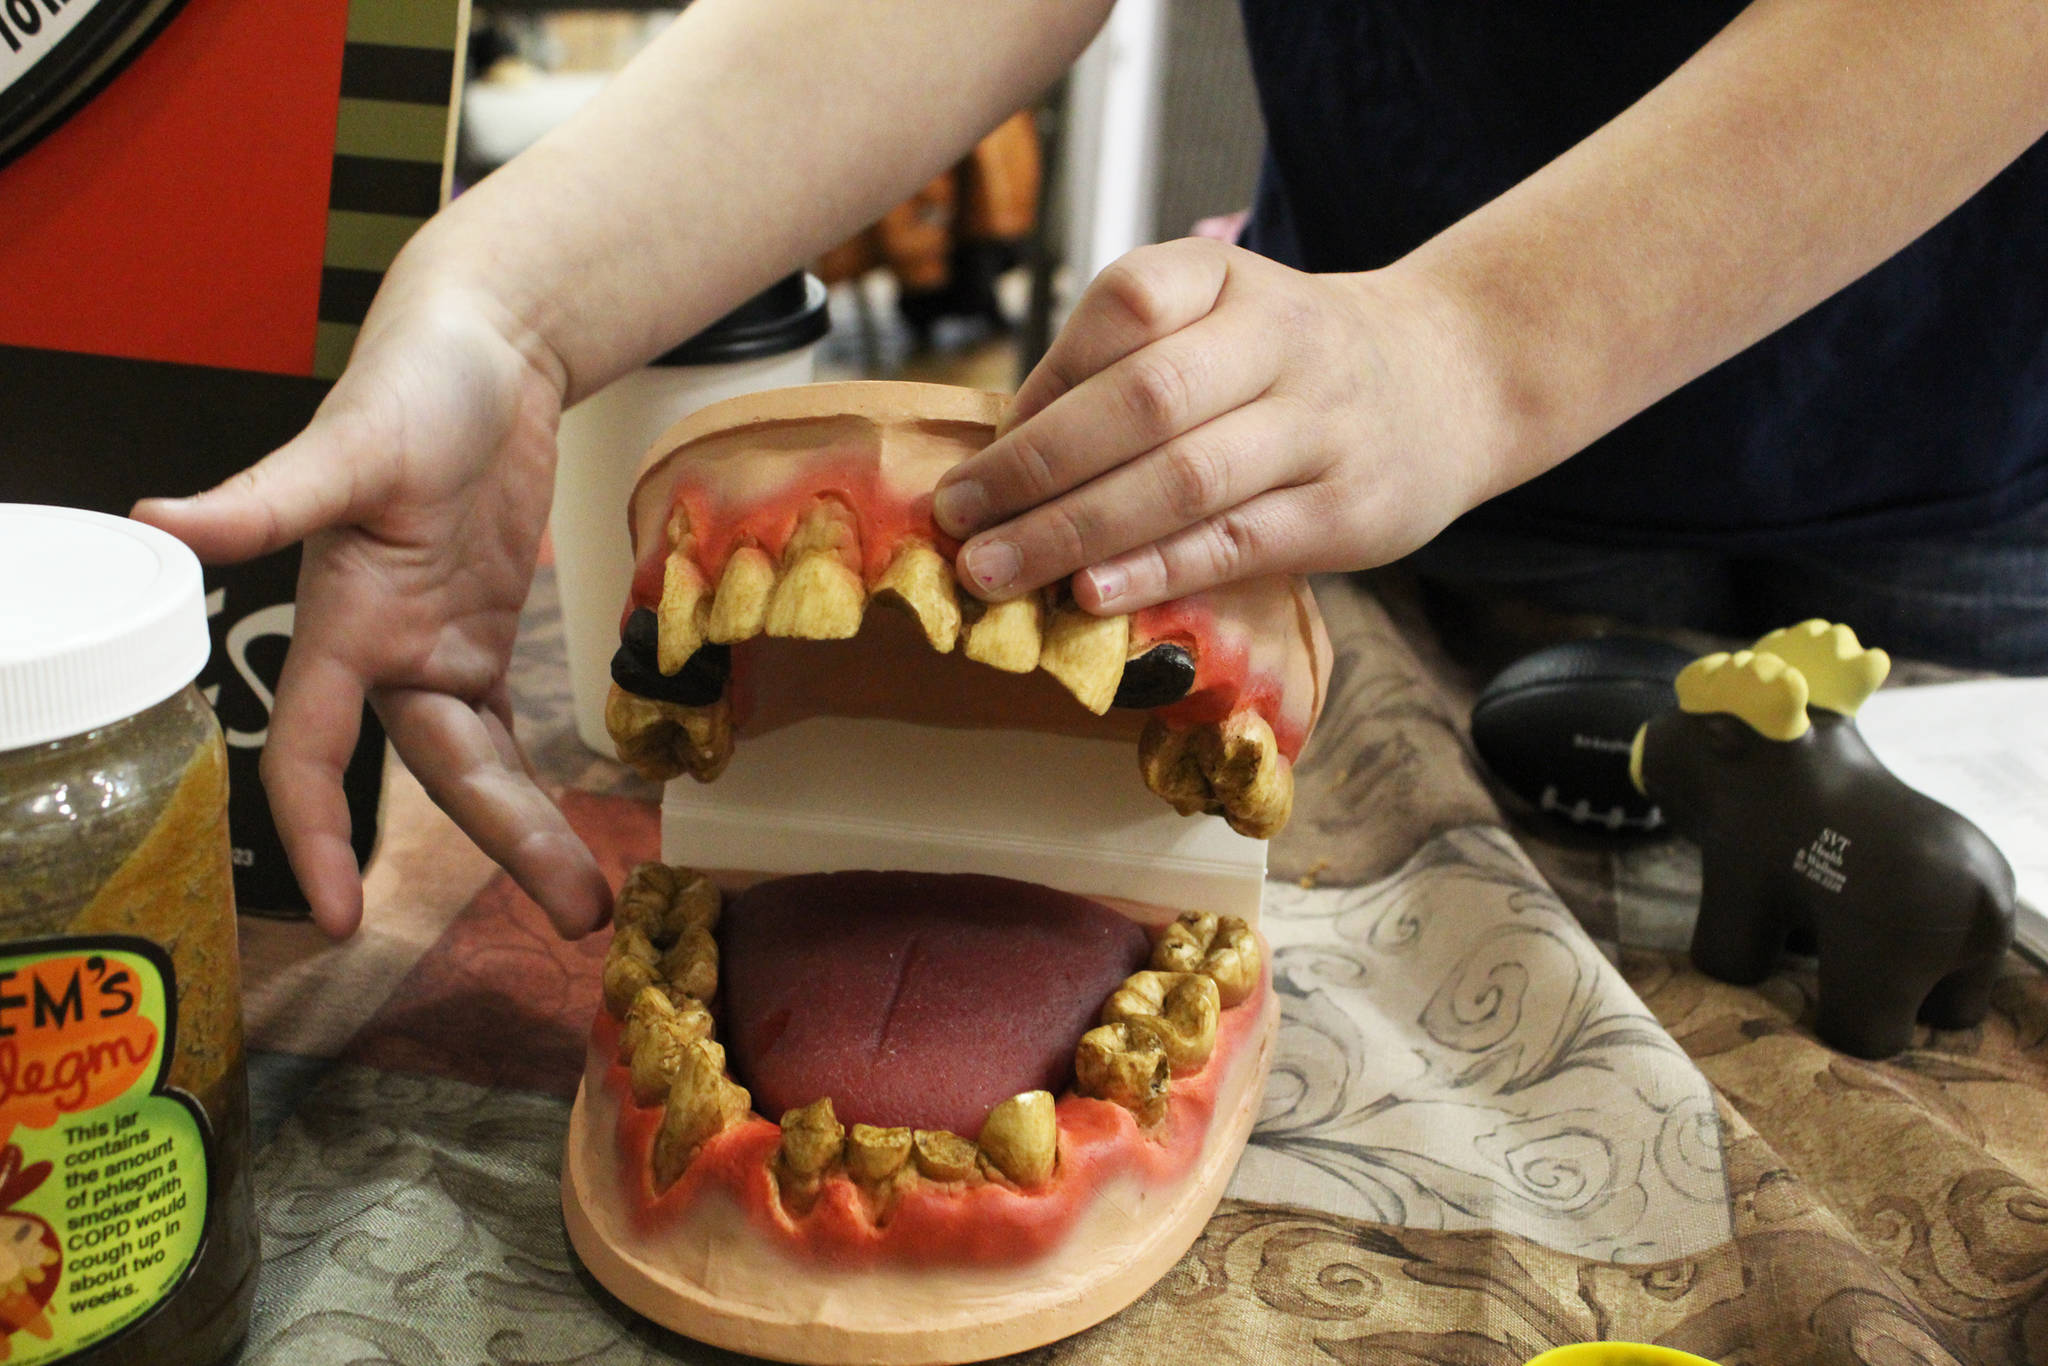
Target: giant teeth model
871	1116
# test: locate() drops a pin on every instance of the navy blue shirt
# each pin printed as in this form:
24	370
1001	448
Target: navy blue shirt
1914	402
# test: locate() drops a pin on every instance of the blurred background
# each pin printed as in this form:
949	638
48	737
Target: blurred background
1155	129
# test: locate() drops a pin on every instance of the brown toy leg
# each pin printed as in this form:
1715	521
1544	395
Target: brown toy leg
1738	935
1868	1000
1962	999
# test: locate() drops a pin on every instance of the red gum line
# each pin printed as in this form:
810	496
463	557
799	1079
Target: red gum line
885	523
991	1224
1225	683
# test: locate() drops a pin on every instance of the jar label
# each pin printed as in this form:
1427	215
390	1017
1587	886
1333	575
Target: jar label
103	1174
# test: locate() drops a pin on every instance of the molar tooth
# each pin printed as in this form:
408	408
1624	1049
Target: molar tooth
1186	940
656	1010
629	964
943	1155
702	1103
1009	635
821	596
1126	1065
660	1043
1232	769
1021	1137
691	964
1242	760
739	610
873	1155
920	579
812	1138
643	897
1167	759
1223	949
1086	654
662	901
1233	960
659	740
1179	1009
651	1005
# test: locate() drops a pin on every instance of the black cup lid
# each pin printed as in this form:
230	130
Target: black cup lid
783	317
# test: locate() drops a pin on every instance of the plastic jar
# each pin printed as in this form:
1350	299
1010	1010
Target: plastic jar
769	342
127	1235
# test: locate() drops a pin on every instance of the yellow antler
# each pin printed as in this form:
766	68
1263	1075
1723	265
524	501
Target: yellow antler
1840	673
1761	689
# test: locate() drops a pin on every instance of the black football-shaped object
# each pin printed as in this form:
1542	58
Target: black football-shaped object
1554	729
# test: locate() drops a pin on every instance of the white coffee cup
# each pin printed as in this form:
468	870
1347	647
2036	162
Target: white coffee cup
766	343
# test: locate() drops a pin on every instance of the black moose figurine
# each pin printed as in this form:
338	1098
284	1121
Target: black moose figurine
1801	829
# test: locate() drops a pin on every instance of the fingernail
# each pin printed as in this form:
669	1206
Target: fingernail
992	565
1110	581
959	507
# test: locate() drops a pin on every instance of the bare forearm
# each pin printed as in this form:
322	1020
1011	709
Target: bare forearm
1805	144
748	138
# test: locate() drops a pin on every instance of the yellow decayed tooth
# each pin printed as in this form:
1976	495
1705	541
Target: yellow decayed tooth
819	599
662	901
1021	1137
1241	759
826	527
1125	1065
1169	763
820	596
944	1156
1009	635
702	1103
920	579
682	611
812	1138
630	964
1184	943
873	1155
1222	948
1179	1010
739	609
1086	654
691	964
659	740
656	1010
658	1052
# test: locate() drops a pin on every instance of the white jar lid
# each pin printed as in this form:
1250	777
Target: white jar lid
100	618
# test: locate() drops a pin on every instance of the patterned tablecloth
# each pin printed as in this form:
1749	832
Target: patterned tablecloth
1505	1113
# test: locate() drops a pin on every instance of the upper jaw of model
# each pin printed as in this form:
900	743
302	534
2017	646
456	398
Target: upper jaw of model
781	516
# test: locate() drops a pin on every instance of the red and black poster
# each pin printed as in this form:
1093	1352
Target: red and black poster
197	201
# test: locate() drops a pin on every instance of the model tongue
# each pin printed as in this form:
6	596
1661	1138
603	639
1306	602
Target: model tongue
917	999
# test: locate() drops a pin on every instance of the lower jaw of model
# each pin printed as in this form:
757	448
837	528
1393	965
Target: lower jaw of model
840	1228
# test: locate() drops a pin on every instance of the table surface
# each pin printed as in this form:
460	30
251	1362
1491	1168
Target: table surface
1505	1113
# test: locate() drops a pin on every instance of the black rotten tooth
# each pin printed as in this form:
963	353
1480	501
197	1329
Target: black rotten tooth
1165	673
700	682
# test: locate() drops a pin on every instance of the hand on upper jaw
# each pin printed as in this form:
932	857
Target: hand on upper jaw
1207	416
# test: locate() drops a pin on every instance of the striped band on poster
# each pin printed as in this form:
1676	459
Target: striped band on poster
400	80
